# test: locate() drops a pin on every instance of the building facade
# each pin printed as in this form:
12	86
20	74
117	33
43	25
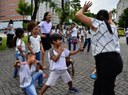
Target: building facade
122	4
8	11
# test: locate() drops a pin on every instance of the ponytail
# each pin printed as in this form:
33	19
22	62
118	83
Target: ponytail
107	24
103	15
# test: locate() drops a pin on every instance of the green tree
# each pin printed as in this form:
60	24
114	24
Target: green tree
37	4
70	9
123	19
24	9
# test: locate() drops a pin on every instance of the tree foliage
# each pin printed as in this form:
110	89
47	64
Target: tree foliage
24	8
37	4
123	19
70	9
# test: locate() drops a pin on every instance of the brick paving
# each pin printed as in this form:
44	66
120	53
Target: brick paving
83	67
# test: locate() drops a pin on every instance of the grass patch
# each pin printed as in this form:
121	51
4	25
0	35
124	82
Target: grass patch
4	46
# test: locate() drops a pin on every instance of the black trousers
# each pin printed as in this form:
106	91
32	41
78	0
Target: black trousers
46	42
108	66
10	40
127	40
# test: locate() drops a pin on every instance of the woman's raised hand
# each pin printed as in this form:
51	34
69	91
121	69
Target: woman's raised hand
87	5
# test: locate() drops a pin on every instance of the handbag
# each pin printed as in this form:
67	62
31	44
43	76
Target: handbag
74	40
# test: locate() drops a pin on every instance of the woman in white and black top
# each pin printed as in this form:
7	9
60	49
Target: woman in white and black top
45	29
10	34
105	48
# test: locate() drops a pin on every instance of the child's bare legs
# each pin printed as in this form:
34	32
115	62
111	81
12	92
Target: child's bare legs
94	72
70	84
43	64
43	90
71	88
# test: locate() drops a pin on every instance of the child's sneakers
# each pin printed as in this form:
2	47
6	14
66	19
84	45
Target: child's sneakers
93	76
73	90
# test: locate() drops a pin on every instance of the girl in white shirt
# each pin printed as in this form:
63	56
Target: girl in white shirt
105	48
34	42
20	47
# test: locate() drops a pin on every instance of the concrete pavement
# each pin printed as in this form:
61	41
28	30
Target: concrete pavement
83	67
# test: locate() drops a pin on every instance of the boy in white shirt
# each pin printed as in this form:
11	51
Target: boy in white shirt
28	73
58	66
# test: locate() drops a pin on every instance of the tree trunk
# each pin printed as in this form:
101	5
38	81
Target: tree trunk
62	14
36	8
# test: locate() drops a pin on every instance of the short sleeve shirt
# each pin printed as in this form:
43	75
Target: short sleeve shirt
61	63
102	40
25	74
35	43
21	43
74	32
45	27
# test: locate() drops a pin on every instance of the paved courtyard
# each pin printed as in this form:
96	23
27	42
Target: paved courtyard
83	67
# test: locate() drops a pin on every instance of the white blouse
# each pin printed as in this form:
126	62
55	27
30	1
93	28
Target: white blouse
102	40
45	27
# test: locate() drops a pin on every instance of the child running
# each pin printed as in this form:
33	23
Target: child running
58	66
29	72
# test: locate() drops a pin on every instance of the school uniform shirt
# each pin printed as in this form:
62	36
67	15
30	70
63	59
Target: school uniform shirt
74	32
21	43
35	43
61	63
102	40
25	74
45	27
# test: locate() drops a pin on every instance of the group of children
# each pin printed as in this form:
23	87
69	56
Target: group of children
29	66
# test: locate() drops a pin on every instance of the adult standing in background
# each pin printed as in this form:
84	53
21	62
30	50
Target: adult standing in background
10	34
126	33
105	48
82	34
87	40
73	38
45	30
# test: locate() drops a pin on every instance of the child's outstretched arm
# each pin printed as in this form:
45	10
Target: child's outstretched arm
76	51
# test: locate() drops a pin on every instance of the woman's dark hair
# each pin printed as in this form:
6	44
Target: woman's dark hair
103	15
18	34
88	28
10	22
55	37
46	14
53	27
